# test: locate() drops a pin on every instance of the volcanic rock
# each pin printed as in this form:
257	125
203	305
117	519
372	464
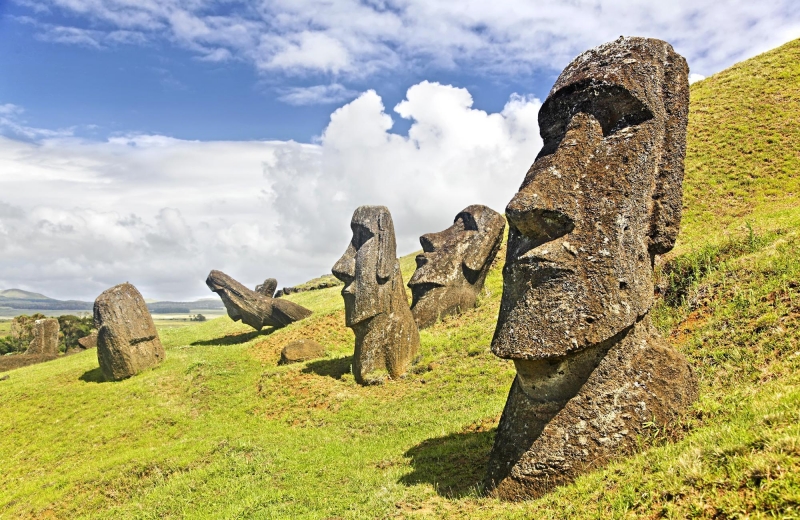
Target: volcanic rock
45	337
602	199
375	302
301	350
127	340
253	308
453	265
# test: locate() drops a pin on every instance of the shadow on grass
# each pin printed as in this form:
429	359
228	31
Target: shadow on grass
94	375
455	465
334	368
235	339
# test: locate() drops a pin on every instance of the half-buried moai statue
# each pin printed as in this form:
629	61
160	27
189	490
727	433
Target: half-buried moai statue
45	337
127	341
255	308
602	199
375	302
268	287
454	263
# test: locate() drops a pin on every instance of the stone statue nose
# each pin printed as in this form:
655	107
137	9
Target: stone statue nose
535	219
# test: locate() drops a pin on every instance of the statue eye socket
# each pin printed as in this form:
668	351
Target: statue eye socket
467	221
361	234
613	106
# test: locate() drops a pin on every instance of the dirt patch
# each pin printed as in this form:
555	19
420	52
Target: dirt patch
23	360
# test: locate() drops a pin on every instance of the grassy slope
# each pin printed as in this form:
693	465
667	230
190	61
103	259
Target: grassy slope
220	431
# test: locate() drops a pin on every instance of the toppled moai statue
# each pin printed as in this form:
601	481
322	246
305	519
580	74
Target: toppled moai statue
254	308
268	287
301	350
602	199
88	342
45	337
375	302
454	263
127	341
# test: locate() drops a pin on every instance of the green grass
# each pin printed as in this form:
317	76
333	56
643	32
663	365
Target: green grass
5	327
220	431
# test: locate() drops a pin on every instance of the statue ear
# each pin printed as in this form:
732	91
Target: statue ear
486	241
387	247
665	218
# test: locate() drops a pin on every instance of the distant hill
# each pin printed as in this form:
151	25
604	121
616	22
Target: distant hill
26	300
19	294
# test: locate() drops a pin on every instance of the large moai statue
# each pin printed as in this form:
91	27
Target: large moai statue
257	309
45	337
602	199
127	340
454	263
375	302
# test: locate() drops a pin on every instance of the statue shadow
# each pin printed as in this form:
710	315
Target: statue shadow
455	464
94	375
334	368
234	339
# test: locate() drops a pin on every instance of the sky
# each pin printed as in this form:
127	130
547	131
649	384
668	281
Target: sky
151	141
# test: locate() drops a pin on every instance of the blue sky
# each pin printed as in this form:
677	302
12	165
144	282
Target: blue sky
151	141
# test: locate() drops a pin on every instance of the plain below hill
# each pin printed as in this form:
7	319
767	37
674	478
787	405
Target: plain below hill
220	431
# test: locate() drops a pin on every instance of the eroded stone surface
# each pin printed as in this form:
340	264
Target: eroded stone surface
301	350
268	287
45	337
127	340
89	341
602	199
376	307
453	265
253	308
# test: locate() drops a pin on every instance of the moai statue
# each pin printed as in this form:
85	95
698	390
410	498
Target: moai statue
375	302
268	287
454	263
127	340
602	199
45	337
256	309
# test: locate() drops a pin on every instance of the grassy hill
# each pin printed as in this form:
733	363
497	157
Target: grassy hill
19	294
220	431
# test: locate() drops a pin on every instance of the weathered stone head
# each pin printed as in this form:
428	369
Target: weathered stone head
256	309
454	263
601	200
127	340
375	302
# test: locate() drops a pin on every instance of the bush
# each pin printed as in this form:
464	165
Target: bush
73	328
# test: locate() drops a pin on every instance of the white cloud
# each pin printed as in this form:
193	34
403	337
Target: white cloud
77	217
694	78
352	38
317	95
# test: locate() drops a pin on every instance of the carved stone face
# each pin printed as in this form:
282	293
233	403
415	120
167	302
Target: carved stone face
454	262
601	199
368	264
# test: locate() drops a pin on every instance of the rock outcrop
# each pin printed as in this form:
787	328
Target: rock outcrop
253	308
453	265
127	340
301	350
89	341
45	338
375	302
602	199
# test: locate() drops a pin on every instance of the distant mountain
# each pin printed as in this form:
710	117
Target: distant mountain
19	294
25	300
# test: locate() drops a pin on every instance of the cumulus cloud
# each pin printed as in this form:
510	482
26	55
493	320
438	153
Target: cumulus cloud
77	217
694	78
351	38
